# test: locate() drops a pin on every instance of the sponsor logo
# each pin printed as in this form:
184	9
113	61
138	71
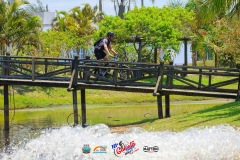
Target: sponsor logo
86	149
150	149
100	149
123	148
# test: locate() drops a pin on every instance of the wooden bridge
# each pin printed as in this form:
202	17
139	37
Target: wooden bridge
80	74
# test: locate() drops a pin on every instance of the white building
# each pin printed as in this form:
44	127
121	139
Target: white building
47	18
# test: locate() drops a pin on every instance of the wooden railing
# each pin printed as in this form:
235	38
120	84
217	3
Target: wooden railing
163	78
200	79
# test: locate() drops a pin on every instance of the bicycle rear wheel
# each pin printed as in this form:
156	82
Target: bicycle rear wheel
125	74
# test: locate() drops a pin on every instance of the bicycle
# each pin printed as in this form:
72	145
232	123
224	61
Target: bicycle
124	71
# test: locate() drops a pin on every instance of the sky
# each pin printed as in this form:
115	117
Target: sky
66	5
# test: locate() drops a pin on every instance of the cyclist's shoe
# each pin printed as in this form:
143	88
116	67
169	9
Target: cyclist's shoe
105	64
102	72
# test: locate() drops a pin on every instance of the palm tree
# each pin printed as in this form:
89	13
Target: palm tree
16	25
221	8
78	22
224	6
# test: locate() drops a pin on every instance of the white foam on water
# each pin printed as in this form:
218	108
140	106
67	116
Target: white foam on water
66	143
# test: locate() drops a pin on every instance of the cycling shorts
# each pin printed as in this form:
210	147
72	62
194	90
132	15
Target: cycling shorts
99	54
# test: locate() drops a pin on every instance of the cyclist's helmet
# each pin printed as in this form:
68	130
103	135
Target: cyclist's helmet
111	34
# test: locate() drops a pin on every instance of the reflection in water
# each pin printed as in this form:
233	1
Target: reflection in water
6	138
24	130
218	142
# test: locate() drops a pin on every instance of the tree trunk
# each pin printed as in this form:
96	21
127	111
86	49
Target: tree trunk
100	5
121	9
155	55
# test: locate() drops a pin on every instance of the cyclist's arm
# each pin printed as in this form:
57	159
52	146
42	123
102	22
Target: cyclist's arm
115	53
107	50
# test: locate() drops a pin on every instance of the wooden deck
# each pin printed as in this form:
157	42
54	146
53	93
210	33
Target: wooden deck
124	76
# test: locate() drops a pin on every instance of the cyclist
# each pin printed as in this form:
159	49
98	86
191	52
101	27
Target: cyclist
103	47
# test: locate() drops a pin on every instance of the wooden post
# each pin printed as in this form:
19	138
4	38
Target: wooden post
75	79
169	81
169	85
33	69
83	107
158	89
6	97
210	78
159	102
167	106
115	75
238	93
200	79
6	108
46	65
75	108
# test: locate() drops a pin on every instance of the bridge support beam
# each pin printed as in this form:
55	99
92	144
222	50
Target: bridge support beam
6	108
167	106
160	110
83	107
75	108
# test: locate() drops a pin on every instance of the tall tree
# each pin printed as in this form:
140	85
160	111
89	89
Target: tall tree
17	26
155	26
100	5
122	6
142	2
79	23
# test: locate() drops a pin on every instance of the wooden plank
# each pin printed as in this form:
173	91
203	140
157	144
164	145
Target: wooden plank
210	78
199	93
22	68
224	83
70	87
17	71
56	72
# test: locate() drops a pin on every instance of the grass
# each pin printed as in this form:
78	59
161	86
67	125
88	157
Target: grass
224	114
36	97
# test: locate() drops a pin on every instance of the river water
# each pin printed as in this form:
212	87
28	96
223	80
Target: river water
45	138
213	143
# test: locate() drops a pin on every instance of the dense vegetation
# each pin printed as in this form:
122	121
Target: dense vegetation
214	30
